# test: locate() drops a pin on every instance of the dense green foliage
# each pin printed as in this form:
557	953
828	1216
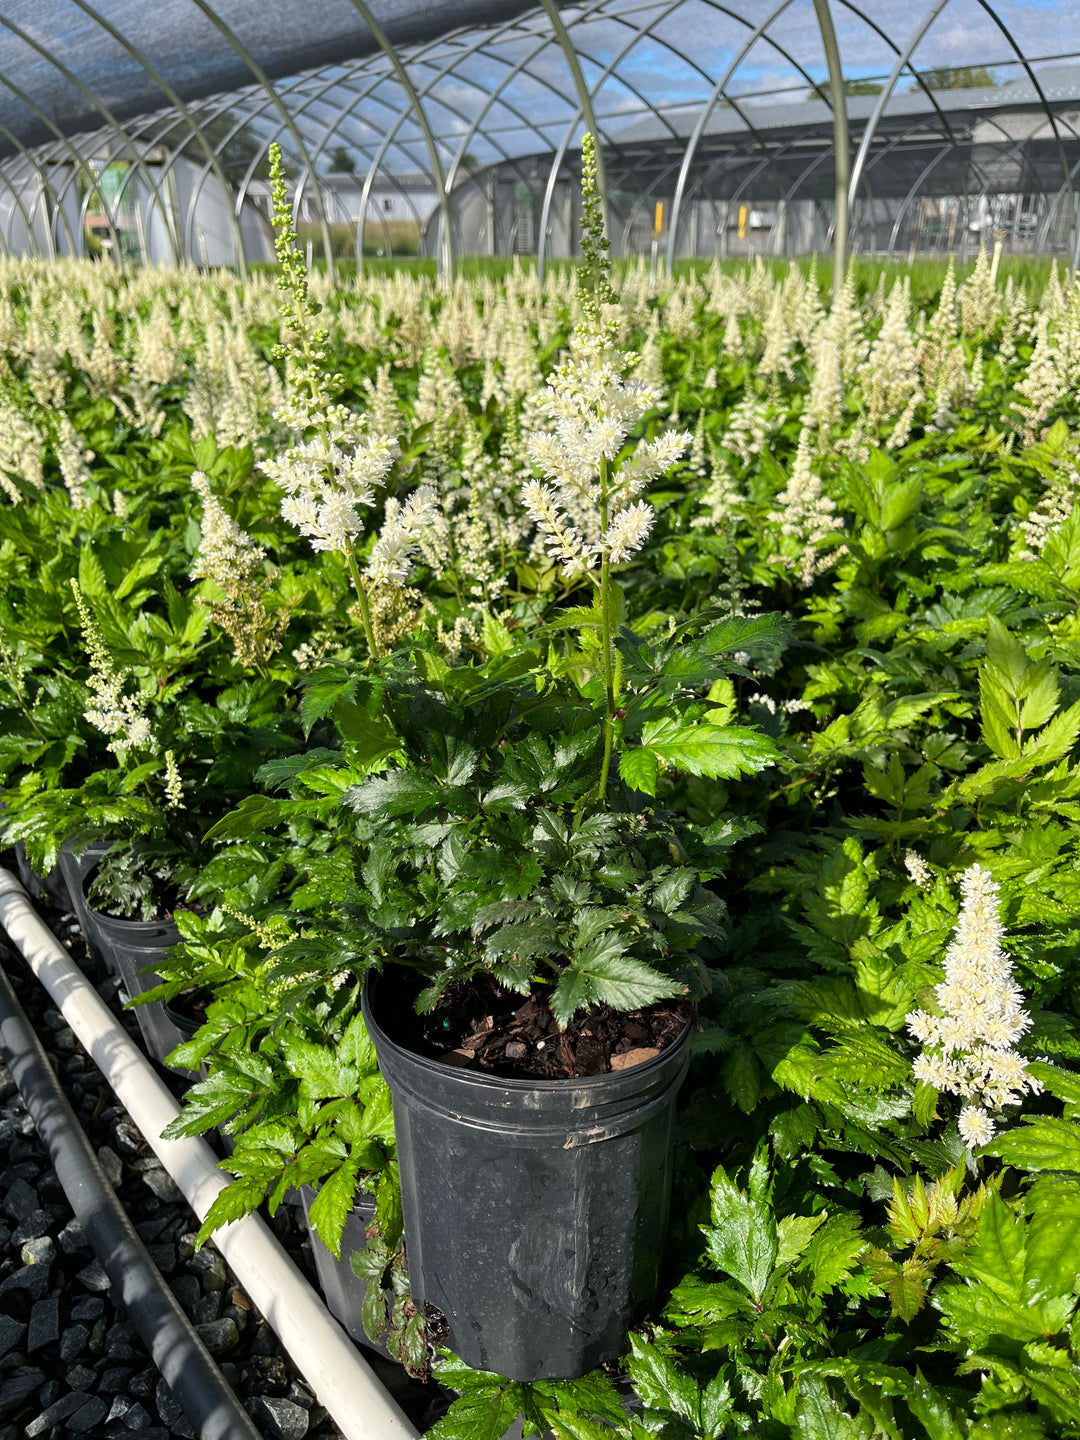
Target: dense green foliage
841	1263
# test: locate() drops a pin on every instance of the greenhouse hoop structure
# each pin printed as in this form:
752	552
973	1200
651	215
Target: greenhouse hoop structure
748	127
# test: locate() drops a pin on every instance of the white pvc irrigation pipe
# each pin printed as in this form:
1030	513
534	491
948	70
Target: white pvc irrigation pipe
341	1381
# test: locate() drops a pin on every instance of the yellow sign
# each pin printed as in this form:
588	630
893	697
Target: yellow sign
658	222
742	222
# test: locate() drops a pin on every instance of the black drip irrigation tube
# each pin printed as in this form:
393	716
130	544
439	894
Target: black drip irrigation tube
197	1384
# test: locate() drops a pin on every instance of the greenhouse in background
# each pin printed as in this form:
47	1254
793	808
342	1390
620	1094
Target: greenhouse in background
454	129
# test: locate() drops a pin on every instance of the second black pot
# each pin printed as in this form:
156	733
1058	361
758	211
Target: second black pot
343	1290
52	885
131	949
76	869
535	1211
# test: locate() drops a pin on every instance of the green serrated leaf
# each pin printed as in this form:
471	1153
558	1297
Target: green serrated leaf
331	1206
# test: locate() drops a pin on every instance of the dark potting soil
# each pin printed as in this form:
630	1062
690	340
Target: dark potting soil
190	1006
481	1026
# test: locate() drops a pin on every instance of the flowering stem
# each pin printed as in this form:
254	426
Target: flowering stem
20	698
605	640
365	609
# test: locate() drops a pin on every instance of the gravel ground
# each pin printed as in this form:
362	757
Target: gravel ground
70	1363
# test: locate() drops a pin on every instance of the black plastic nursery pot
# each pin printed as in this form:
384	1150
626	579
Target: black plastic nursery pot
130	949
535	1211
51	885
75	870
160	1032
343	1290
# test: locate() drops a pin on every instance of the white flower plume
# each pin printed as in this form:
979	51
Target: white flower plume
112	712
586	511
968	1048
391	556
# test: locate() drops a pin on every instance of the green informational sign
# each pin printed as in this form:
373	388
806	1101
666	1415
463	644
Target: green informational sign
110	179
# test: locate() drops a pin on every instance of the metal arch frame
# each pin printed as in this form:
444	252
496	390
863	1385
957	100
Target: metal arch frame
255	116
235	102
28	216
494	97
21	208
388	138
927	170
575	119
951	145
53	152
513	69
448	69
1030	73
376	80
759	33
703	119
47	187
139	136
110	120
143	134
585	105
841	139
751	128
264	80
757	164
521	67
1059	195
1015	145
178	104
917	76
903	60
361	87
176	154
79	161
446	269
692	64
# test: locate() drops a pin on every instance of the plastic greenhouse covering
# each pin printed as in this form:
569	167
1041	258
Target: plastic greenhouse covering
452	129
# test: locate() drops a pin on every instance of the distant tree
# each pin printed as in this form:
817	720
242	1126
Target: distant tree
341	162
851	87
236	145
957	77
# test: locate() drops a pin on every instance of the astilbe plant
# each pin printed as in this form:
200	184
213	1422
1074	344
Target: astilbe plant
335	465
968	1049
234	564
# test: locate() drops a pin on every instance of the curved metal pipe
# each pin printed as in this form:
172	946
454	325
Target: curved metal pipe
267	84
841	142
110	120
927	170
1030	73
447	248
79	161
175	100
703	120
902	61
585	105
